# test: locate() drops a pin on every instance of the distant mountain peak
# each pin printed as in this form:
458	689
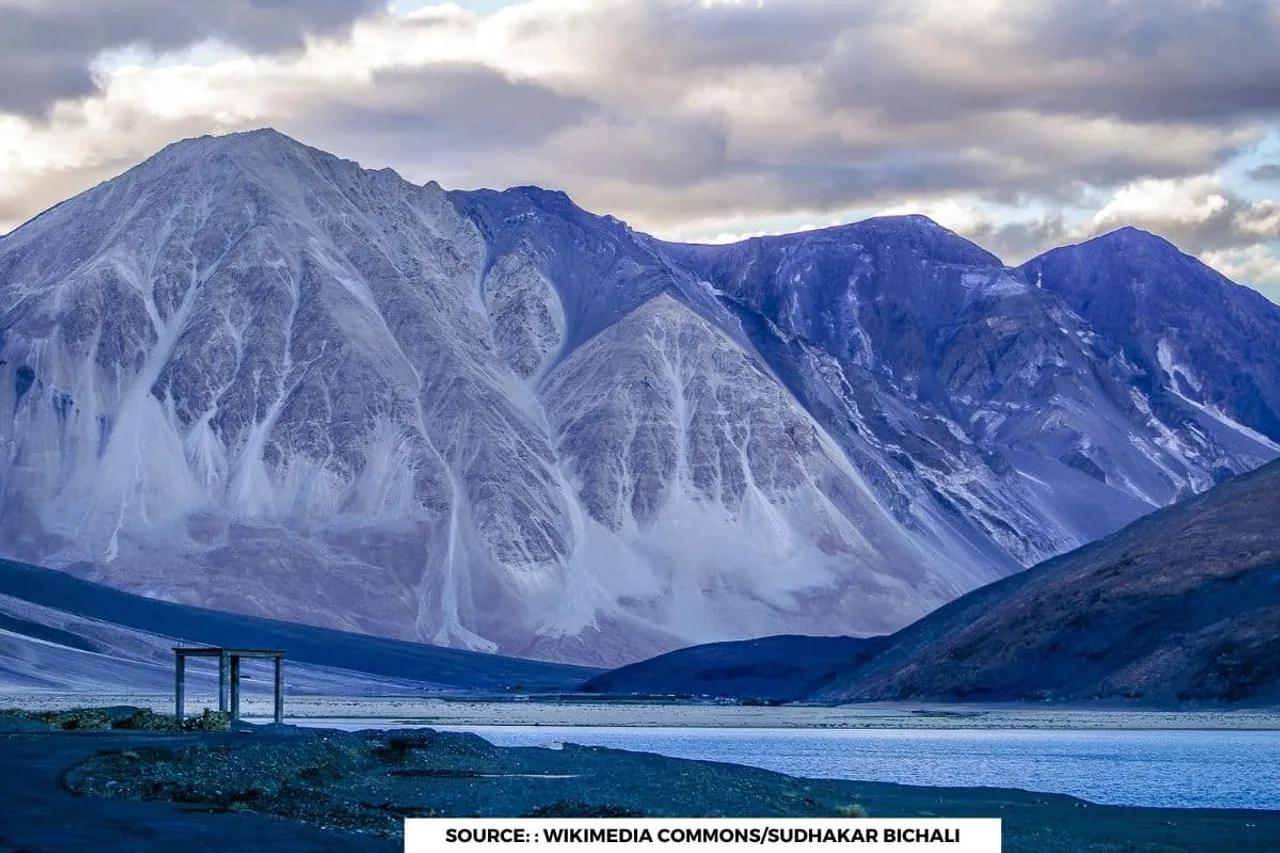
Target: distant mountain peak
1143	251
1131	235
541	193
912	227
210	145
890	223
265	153
919	220
277	171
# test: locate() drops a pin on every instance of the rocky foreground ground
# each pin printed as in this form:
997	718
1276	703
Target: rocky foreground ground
126	779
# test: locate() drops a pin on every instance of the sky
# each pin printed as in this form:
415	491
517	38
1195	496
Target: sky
1021	124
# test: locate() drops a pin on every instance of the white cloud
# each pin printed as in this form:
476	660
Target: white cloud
1186	201
714	118
1257	266
53	46
964	216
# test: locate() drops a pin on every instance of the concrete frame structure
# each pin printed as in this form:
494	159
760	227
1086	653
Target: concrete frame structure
228	678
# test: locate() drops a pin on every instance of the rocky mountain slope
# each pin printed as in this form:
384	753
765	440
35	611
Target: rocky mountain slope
767	669
1199	343
1182	605
249	375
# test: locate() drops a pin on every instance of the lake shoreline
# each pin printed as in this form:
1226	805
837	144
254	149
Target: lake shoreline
327	790
626	712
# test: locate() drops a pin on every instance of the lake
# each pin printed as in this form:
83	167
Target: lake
1180	769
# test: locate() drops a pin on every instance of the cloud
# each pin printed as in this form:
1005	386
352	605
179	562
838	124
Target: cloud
1199	214
1265	172
1177	202
50	45
1012	238
449	120
781	107
1021	239
1175	62
1256	266
693	117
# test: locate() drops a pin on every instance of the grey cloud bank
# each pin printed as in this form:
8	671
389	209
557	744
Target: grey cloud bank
680	115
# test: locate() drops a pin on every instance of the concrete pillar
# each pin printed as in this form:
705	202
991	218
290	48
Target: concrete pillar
223	691
235	688
279	691
179	686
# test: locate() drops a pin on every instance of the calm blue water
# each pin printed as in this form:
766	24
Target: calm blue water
1218	769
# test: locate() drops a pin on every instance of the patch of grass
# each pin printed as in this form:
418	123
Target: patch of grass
122	717
208	721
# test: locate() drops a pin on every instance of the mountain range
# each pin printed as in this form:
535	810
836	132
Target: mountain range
1181	606
251	376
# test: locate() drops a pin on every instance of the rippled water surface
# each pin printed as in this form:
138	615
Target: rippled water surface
1222	769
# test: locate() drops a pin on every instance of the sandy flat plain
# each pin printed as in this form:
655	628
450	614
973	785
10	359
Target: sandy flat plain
593	712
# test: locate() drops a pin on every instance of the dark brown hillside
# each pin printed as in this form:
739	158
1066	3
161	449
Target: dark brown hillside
1182	605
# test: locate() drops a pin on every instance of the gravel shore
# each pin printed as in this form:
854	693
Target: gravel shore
123	789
